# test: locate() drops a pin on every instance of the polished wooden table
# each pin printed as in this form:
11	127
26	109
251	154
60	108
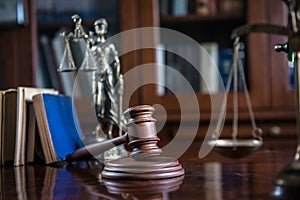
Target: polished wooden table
213	177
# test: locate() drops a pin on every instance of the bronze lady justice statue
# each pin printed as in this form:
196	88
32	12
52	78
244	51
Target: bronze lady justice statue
107	81
102	59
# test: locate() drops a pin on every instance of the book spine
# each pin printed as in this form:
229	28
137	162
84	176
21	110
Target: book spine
225	62
164	7
208	67
160	69
43	128
292	75
20	126
31	134
180	7
9	126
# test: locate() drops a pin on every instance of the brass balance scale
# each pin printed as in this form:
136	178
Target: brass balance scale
234	147
287	182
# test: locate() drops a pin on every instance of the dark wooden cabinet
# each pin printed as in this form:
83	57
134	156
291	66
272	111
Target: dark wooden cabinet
18	52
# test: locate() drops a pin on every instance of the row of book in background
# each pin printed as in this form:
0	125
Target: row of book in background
199	68
201	7
36	125
209	63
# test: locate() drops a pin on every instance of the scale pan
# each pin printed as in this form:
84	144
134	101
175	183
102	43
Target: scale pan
235	148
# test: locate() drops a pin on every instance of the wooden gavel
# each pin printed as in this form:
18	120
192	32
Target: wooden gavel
141	135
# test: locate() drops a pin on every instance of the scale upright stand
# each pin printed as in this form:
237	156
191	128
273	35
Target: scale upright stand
287	182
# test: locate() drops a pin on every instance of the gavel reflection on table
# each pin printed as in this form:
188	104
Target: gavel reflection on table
145	161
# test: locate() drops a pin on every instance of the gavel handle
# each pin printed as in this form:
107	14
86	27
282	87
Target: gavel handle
91	150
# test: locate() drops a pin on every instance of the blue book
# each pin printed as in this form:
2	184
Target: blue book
292	75
58	126
225	62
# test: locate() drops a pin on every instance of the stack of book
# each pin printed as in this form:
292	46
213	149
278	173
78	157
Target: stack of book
36	124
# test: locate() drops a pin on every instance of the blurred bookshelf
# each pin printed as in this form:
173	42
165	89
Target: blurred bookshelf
262	65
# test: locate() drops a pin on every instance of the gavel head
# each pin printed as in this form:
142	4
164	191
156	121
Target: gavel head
141	132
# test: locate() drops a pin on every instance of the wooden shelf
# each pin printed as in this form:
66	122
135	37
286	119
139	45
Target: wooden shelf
54	24
196	18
